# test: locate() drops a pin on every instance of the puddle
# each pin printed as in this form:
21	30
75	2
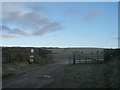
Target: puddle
47	76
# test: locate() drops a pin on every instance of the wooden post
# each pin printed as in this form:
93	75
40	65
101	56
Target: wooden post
97	56
92	56
74	58
79	57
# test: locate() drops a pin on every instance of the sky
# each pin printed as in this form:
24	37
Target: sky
60	24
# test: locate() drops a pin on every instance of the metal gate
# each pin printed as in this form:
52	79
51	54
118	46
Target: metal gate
92	57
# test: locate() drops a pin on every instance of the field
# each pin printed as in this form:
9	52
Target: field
105	75
61	54
62	73
91	76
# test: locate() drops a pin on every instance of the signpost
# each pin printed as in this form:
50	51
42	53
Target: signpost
73	58
31	60
32	50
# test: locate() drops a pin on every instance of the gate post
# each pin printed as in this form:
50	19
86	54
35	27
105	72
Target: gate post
74	58
79	57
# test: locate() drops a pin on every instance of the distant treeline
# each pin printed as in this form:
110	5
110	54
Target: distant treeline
32	47
12	54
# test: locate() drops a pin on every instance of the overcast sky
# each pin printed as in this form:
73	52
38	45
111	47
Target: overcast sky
60	24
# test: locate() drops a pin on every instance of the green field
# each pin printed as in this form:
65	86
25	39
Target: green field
91	75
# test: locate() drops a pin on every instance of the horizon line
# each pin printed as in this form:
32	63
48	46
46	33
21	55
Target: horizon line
60	46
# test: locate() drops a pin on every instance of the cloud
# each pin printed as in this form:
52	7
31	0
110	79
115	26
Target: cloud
51	27
7	36
15	31
93	15
28	18
20	32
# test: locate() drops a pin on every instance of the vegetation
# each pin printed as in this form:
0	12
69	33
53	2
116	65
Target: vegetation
92	75
13	54
15	59
16	67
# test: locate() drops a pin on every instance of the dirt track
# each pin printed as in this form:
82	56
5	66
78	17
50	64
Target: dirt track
39	77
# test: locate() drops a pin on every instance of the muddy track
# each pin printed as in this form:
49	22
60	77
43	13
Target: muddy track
34	78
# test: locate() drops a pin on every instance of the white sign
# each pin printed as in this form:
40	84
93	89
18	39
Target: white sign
32	50
31	60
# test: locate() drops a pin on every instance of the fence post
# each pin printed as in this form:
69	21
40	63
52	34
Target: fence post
79	57
74	58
